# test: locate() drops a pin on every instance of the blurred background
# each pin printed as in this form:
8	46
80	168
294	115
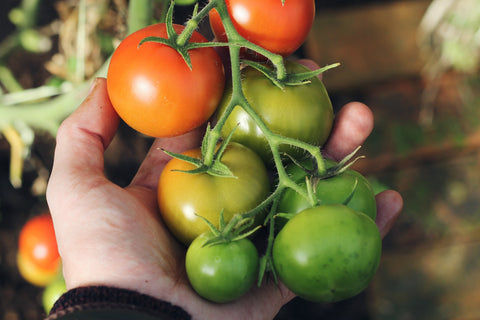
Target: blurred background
414	62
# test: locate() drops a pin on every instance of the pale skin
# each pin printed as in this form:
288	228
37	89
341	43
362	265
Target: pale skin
113	236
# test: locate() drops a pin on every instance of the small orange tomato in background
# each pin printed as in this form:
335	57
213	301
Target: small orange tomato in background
38	259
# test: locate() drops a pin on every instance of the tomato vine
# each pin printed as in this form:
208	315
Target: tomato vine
210	160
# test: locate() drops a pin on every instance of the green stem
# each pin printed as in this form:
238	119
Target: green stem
235	39
81	42
139	14
29	13
238	99
7	79
45	115
192	24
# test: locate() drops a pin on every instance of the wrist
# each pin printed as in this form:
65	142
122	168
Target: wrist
95	299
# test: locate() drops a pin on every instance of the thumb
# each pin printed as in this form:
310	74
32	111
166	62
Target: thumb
81	142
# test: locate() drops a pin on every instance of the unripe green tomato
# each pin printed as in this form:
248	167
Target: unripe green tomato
302	112
349	188
221	272
327	253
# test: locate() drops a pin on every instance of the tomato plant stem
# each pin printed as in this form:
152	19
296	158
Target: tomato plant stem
139	14
235	39
238	99
193	23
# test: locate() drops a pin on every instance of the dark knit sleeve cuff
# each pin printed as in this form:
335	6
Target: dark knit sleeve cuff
108	300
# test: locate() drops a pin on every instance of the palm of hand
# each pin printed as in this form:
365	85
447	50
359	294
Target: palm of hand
114	236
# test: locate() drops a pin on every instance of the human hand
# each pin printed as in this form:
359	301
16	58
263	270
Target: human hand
113	236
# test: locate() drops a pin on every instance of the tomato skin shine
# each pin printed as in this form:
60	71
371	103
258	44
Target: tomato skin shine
279	28
183	196
37	242
154	91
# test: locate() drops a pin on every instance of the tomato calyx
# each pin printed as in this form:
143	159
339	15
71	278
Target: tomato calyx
236	229
180	42
342	166
290	79
215	167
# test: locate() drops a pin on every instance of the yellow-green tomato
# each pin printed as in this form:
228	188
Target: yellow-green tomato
183	197
327	253
221	272
52	292
303	112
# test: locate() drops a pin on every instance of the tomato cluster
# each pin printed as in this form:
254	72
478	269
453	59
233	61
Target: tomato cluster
323	242
38	259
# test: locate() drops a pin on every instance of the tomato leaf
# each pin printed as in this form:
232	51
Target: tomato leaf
262	269
222	221
350	196
194	161
156	39
343	165
287	216
213	229
220	170
172	35
266	265
186	56
267	72
294	79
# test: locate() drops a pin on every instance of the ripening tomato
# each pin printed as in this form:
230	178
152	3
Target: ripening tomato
327	253
34	274
221	272
182	197
302	112
155	92
37	242
279	28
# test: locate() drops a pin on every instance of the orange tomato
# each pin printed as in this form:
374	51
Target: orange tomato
37	243
279	28
35	275
155	92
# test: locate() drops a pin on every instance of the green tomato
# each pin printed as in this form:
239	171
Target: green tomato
183	197
327	253
52	292
221	272
302	112
336	189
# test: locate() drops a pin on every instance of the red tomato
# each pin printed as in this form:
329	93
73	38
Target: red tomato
279	28
37	243
155	92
